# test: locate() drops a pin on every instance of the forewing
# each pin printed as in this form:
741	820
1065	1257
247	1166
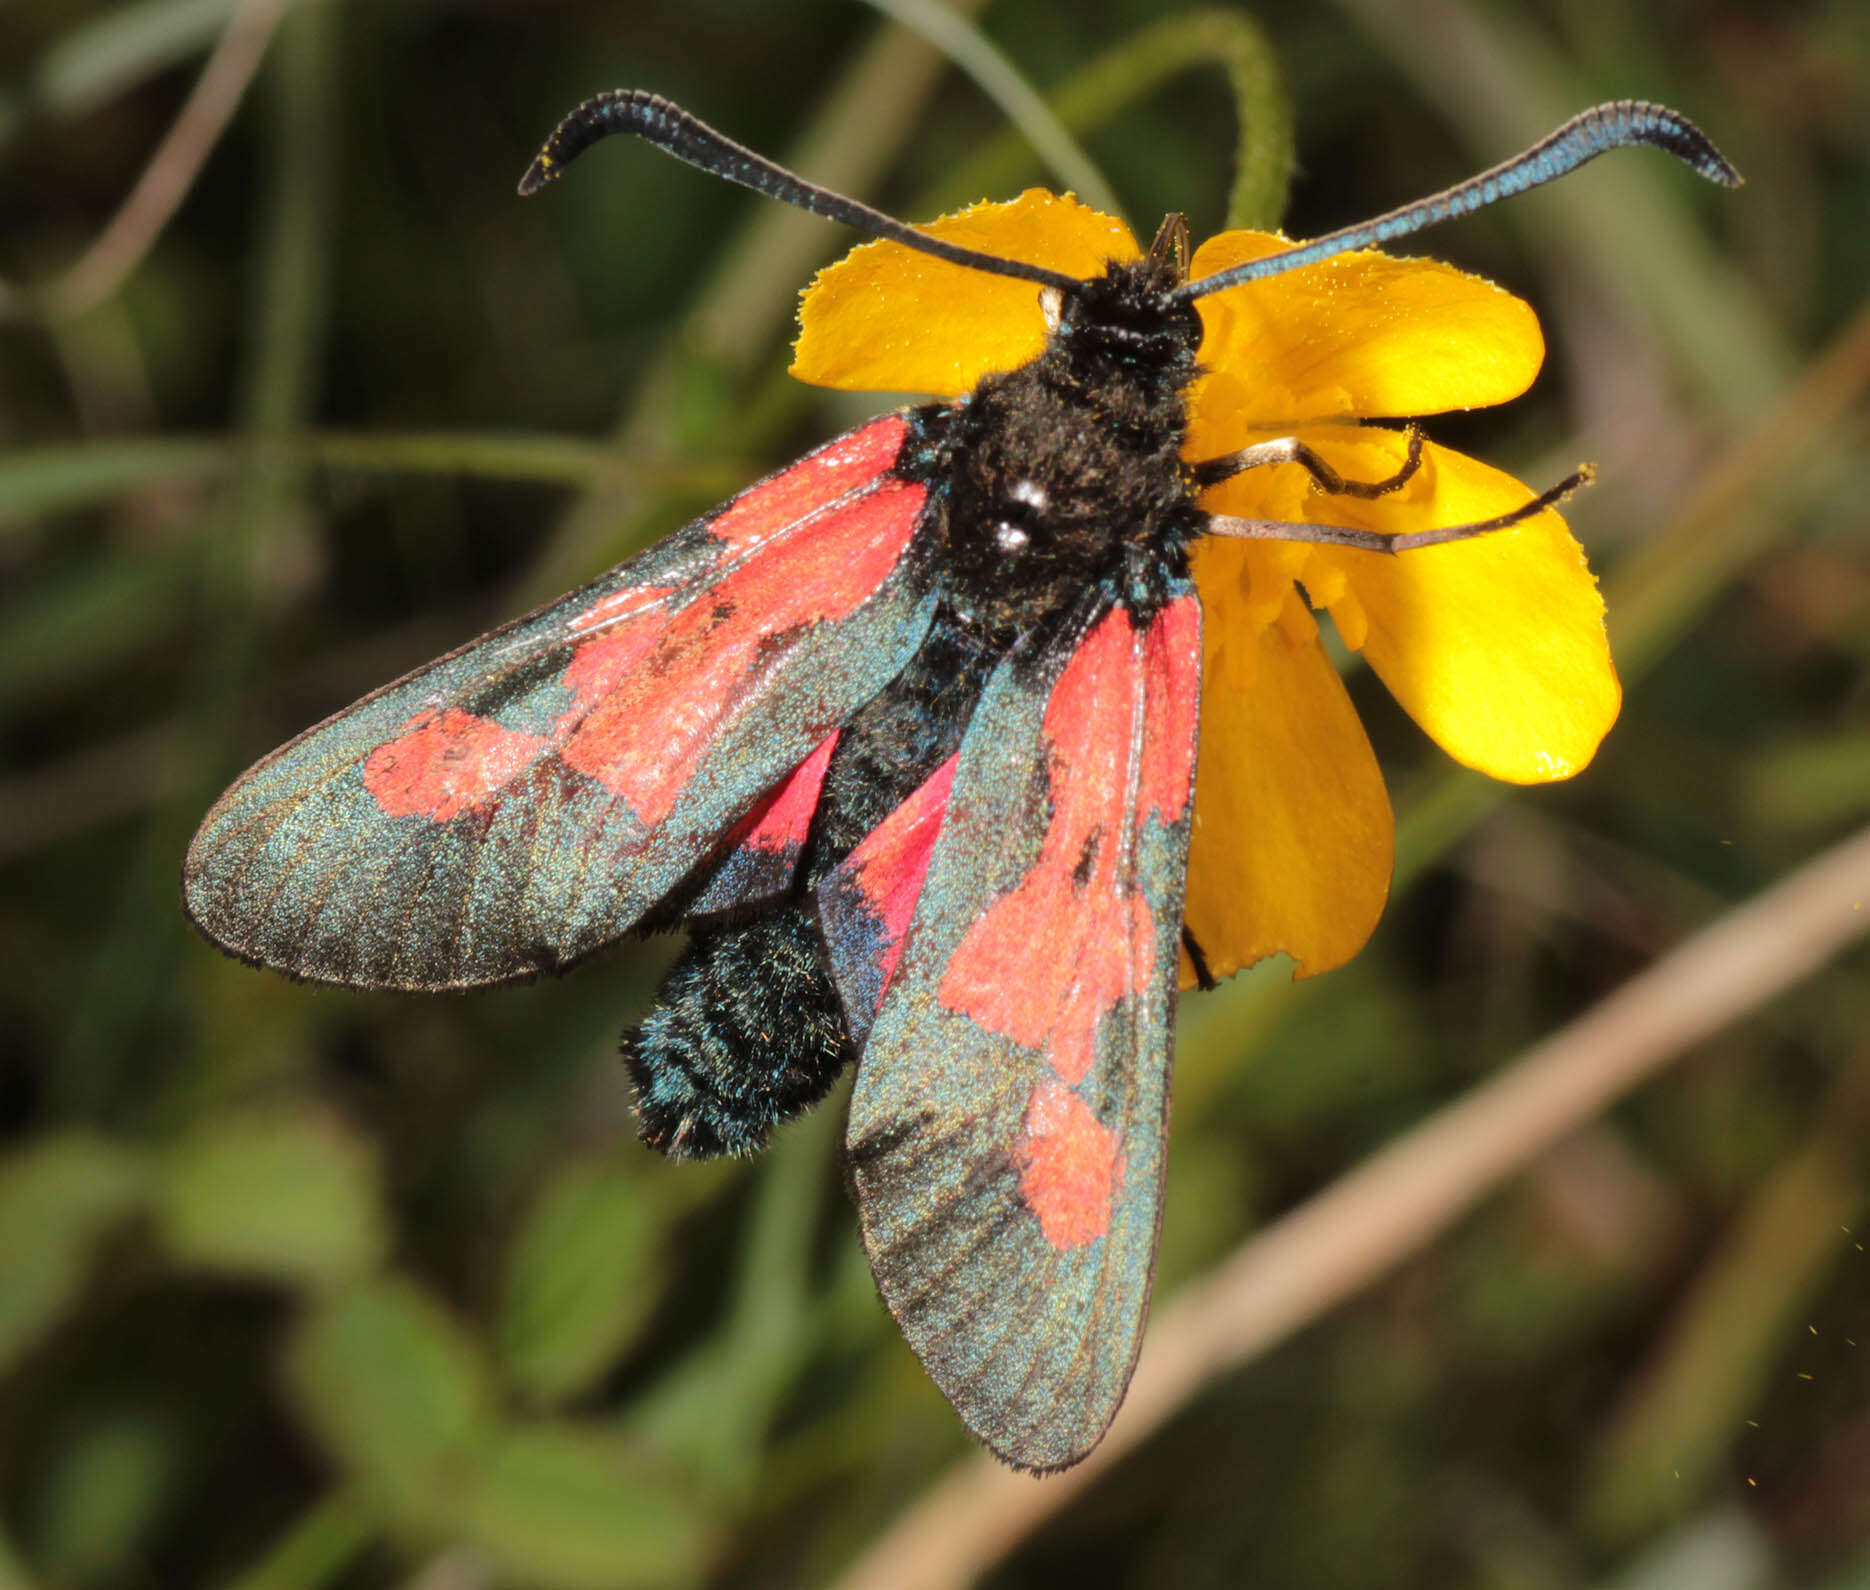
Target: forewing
525	800
1008	1124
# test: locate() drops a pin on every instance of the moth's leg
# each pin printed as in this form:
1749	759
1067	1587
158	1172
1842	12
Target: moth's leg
1337	535
1290	450
1198	958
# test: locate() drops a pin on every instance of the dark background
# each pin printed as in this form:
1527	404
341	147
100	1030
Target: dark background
300	1288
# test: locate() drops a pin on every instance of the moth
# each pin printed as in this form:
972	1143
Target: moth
904	736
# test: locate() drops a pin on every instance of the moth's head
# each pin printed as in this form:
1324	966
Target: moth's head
1131	310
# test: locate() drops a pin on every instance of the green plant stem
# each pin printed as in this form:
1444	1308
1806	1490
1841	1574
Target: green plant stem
37	481
317	1547
971	50
1264	154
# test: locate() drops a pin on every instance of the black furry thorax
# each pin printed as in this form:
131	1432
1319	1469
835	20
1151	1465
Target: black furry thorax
1066	475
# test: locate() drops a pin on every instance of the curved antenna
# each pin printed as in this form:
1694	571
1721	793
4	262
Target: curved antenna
1587	135
673	130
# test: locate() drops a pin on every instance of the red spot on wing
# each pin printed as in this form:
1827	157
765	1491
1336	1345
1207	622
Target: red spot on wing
811	483
783	818
651	703
636	618
1068	1166
1044	963
763	850
1172	679
600	665
887	870
444	763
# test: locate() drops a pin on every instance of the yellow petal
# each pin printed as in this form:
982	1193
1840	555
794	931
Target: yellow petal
1293	839
888	319
1362	335
1495	646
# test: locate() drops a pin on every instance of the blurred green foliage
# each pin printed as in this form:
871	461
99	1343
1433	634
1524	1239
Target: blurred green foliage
302	1289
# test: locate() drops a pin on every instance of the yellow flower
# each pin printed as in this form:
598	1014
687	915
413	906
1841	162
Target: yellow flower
1495	645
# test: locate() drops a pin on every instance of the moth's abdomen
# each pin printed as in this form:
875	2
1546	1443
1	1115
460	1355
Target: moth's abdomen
746	1032
747	1029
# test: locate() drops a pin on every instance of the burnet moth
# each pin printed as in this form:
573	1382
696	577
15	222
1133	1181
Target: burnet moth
904	735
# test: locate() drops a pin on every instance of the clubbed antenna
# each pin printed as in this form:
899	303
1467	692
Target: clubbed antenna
1587	135
672	129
